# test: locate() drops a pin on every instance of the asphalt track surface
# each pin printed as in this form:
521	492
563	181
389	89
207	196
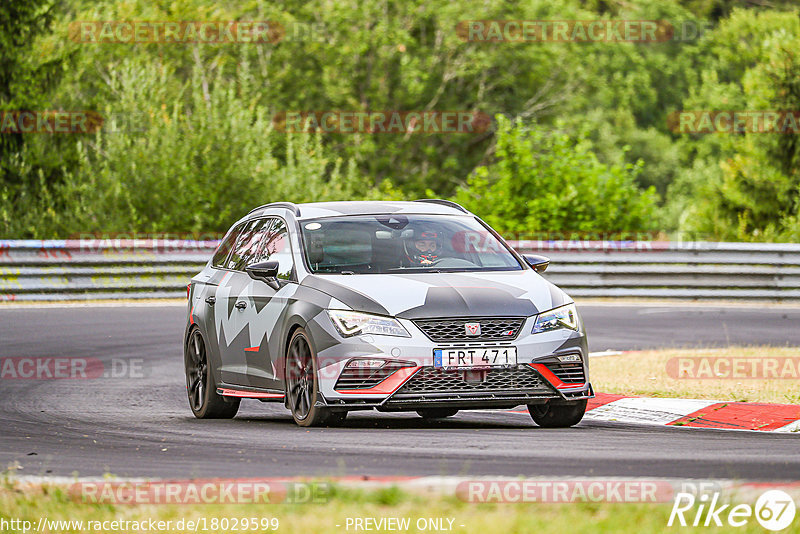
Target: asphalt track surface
142	427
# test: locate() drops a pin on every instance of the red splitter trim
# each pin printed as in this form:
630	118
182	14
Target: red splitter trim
248	394
389	385
553	379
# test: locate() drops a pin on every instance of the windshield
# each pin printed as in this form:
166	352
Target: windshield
378	244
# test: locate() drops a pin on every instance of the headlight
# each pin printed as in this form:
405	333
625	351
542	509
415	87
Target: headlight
349	323
563	317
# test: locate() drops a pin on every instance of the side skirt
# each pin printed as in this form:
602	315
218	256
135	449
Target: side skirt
242	392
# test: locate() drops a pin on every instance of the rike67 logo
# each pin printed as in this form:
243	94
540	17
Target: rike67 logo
774	510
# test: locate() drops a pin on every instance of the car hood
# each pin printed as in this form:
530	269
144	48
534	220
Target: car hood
423	295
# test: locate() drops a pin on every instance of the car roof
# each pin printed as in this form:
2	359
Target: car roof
313	210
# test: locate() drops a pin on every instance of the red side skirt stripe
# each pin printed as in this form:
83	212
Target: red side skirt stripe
248	394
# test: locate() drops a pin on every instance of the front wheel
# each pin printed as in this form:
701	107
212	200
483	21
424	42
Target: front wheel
557	415
302	387
203	398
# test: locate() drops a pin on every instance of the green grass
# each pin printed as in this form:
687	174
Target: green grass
32	502
645	373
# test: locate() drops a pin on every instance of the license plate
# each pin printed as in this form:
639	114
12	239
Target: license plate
475	357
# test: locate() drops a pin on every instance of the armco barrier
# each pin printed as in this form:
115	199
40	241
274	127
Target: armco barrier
96	269
135	269
660	269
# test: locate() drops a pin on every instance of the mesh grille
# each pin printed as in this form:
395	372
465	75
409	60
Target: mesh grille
568	372
492	328
433	380
360	378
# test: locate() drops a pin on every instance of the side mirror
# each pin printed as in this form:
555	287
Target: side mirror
537	263
266	271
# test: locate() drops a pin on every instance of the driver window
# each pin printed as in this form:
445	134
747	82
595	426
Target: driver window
225	247
275	246
247	244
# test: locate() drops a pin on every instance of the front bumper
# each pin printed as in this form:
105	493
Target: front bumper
421	385
427	387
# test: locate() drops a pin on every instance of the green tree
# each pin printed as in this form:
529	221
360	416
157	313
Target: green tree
197	166
22	75
545	181
749	185
397	55
27	75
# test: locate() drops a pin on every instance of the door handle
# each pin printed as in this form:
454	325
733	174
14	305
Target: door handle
241	305
211	300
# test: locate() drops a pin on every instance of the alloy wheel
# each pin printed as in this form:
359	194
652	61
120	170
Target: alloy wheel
196	371
300	378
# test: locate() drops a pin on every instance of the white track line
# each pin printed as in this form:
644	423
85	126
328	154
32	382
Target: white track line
644	410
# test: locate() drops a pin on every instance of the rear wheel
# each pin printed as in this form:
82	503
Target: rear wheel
200	386
302	387
436	413
557	415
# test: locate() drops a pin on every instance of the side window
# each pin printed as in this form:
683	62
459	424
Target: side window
247	244
275	247
221	254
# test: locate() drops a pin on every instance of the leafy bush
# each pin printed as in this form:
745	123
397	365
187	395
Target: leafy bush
192	167
208	151
748	187
545	181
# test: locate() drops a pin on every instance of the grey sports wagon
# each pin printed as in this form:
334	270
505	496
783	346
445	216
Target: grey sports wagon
394	306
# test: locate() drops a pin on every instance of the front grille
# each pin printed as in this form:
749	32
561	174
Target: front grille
568	372
360	378
431	380
454	330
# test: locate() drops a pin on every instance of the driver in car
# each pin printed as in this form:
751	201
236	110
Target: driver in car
423	248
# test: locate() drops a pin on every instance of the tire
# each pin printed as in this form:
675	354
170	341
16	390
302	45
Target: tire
437	413
557	415
201	389
302	385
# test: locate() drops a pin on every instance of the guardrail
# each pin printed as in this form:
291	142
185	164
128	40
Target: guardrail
136	269
99	269
659	269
